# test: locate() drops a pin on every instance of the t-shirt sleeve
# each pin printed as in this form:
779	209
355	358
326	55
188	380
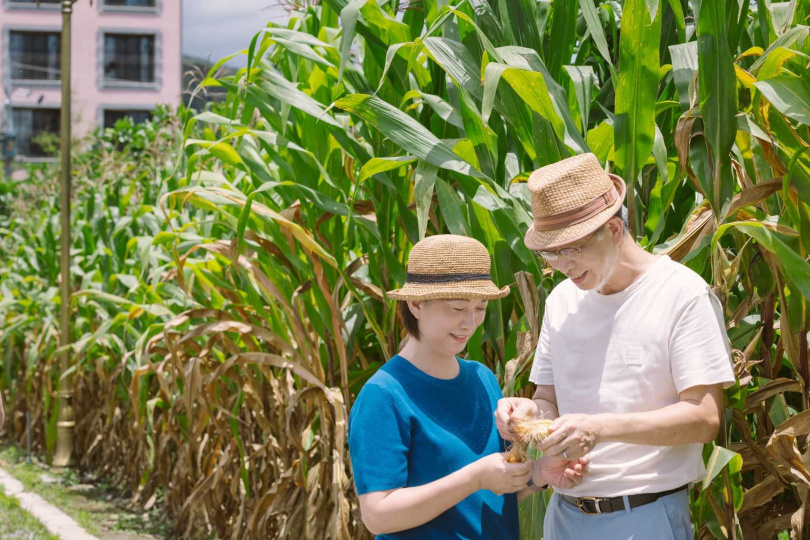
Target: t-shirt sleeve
699	348
541	367
379	441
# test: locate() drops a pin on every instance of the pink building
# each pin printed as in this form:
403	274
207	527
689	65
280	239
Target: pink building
126	59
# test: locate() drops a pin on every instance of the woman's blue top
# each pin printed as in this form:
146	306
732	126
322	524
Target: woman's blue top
408	429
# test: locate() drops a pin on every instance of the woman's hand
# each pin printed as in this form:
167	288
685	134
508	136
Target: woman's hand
508	407
495	473
560	473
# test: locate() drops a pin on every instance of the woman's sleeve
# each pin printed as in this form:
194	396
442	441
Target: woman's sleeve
379	441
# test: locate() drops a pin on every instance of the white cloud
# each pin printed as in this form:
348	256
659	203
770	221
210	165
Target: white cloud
217	28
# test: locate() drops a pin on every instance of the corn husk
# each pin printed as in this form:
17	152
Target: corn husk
527	431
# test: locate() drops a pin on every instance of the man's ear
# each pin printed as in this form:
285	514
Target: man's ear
416	307
616	228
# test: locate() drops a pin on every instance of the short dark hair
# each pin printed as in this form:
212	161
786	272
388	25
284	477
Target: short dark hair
411	323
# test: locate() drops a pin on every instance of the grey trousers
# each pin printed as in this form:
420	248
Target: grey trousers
665	519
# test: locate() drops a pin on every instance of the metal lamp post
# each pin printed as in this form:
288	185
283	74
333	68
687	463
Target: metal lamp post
66	422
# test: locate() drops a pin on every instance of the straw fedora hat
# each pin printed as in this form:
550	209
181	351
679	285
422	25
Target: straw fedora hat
571	199
448	266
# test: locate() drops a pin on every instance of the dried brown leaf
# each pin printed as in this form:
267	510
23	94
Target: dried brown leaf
760	494
774	387
782	448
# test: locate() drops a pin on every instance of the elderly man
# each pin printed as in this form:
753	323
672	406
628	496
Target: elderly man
630	365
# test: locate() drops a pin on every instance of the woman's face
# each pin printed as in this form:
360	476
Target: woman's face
446	325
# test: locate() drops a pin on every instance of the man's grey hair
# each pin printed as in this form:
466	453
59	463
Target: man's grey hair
622	214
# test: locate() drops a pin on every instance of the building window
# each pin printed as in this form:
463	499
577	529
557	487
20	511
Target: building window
35	56
130	3
111	116
129	58
31	123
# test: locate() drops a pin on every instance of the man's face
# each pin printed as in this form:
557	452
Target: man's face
597	257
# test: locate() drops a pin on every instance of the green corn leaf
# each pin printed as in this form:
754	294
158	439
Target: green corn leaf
424	180
636	94
719	459
406	132
348	19
684	66
582	77
450	207
789	94
597	33
718	98
380	165
456	60
563	35
797	270
220	149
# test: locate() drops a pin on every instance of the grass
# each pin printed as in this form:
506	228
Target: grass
17	524
95	504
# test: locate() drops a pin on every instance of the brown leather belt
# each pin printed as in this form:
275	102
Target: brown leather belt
605	505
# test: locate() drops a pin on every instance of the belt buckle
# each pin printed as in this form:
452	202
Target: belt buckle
594	500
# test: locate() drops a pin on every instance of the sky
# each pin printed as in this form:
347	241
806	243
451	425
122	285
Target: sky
217	28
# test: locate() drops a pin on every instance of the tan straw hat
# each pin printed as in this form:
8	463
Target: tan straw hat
571	199
448	266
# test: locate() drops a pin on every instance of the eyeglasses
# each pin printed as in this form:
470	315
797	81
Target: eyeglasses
572	253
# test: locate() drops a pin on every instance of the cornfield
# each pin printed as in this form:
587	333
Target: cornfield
231	264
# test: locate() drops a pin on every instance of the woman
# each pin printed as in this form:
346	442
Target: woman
426	455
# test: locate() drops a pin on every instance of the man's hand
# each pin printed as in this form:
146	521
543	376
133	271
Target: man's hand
574	434
560	473
508	407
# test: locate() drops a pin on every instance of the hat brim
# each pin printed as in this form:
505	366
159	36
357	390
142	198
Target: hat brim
467	290
553	239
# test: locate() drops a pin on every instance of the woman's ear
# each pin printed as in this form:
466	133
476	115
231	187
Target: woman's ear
416	307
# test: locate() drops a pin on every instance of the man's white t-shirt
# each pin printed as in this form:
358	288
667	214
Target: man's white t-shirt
628	352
